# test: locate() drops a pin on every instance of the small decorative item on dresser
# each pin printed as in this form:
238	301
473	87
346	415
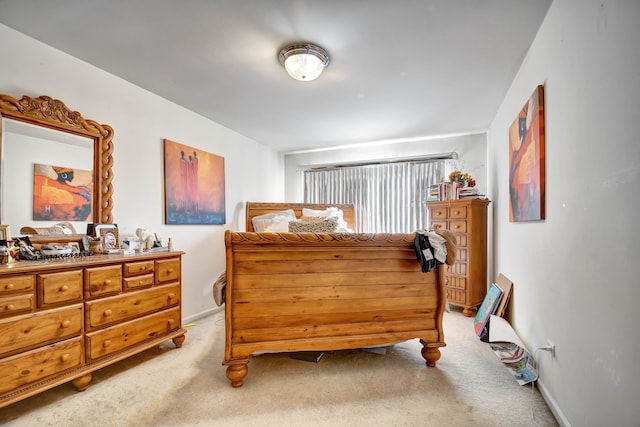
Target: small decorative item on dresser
108	234
462	178
4	255
464	186
5	233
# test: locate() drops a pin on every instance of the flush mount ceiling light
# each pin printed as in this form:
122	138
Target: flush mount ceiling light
304	61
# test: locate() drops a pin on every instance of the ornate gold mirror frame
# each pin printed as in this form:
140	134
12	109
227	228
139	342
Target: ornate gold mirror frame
53	114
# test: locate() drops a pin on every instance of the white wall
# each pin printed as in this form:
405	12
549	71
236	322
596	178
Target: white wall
141	121
471	150
576	273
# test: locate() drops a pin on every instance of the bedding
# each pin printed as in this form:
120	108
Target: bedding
331	212
322	226
273	222
325	291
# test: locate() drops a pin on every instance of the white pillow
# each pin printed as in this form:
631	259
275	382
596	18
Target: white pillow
328	213
280	224
274	221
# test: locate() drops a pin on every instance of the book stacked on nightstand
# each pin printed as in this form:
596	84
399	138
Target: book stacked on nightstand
469	192
433	194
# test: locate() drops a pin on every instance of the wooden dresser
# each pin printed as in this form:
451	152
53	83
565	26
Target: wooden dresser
62	320
466	280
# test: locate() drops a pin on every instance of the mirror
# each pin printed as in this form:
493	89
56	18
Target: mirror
41	139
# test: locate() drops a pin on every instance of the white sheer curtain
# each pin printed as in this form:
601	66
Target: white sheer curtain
387	197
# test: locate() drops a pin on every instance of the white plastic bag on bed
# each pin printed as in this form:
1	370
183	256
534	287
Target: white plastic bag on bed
330	213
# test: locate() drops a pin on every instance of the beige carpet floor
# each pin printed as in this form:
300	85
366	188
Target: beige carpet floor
165	386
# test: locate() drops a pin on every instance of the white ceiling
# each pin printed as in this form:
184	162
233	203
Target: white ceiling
400	69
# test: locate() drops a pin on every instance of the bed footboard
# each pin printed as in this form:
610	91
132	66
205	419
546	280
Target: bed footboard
307	291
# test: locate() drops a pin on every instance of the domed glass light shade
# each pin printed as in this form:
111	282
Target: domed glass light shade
304	61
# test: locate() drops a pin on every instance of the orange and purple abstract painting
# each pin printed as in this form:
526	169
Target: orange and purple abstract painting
194	185
526	161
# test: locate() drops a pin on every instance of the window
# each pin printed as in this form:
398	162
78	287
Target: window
387	197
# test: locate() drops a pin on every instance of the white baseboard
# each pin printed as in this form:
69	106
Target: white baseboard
202	314
562	420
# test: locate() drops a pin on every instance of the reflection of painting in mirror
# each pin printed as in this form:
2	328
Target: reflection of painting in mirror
194	185
61	193
526	161
24	145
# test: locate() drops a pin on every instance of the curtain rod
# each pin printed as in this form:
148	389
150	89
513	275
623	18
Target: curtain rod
440	156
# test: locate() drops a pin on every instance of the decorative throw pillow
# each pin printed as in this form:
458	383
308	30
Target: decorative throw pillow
312	218
324	226
274	221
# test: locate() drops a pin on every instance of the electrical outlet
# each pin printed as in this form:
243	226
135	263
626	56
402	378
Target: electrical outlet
551	347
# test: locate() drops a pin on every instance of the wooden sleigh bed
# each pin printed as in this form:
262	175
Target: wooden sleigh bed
314	292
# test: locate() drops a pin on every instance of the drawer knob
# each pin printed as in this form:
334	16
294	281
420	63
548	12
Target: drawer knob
172	295
170	270
170	322
108	313
65	324
65	357
64	288
10	286
106	343
141	282
10	306
107	282
143	268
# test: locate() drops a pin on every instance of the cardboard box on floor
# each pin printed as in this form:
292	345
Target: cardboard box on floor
506	285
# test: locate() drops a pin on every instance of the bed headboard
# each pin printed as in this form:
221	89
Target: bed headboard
261	208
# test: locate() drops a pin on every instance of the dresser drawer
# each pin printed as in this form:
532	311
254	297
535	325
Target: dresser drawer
33	330
462	255
130	305
13	284
456	296
16	305
35	365
167	270
438	212
455	282
111	340
458	268
56	288
137	268
139	281
439	225
458	226
103	280
458	212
